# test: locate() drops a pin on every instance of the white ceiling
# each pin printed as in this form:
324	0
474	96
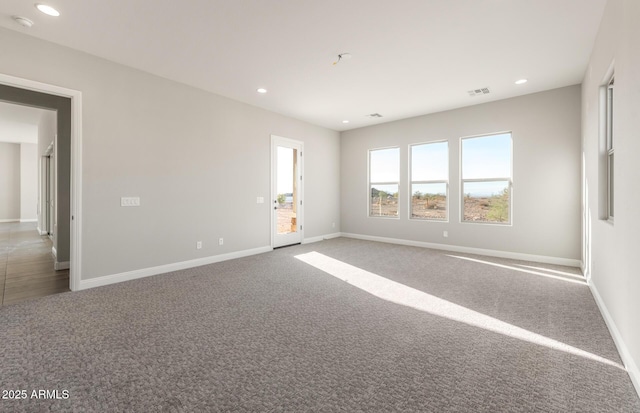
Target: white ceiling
19	124
410	57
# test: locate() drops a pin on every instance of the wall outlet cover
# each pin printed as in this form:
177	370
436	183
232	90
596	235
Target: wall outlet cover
130	201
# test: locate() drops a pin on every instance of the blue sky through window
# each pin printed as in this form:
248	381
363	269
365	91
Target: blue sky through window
385	165
486	157
430	162
285	170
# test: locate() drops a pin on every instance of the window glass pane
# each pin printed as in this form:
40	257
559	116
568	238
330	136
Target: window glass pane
486	201
610	117
429	162
286	188
486	157
385	165
429	201
611	185
384	201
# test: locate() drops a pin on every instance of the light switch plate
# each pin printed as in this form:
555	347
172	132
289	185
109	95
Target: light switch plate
130	201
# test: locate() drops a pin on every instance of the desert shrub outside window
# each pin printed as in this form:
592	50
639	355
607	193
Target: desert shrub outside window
486	183
384	180
429	181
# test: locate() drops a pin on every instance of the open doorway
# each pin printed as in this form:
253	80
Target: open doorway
65	214
27	210
286	191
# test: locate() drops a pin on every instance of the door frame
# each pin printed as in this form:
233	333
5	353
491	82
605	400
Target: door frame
75	210
47	191
52	195
275	140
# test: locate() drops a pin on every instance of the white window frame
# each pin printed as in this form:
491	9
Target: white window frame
492	179
412	182
609	133
370	183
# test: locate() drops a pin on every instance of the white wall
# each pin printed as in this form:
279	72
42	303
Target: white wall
611	257
197	161
546	175
9	181
28	182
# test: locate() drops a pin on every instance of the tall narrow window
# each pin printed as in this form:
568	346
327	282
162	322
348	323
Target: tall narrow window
429	180
384	179
486	179
610	146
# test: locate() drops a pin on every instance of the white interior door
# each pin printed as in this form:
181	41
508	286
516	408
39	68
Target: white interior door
286	191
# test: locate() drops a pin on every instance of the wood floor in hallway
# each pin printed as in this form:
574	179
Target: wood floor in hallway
26	264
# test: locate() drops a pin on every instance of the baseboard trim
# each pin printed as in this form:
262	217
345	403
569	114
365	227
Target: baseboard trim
29	220
470	250
2	221
161	269
627	360
321	238
54	252
585	271
64	265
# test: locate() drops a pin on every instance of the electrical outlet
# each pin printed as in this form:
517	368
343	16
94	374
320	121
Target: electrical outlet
445	234
199	245
221	241
260	200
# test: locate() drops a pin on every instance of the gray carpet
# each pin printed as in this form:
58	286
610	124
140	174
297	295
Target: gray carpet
270	333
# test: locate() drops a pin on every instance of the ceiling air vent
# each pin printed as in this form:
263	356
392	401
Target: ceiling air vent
481	91
374	115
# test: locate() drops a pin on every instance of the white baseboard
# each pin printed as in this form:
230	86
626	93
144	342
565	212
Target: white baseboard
2	221
29	220
64	265
627	360
585	271
161	269
321	238
42	232
54	252
470	250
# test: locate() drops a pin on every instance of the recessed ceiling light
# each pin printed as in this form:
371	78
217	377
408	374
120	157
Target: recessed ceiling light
521	81
261	90
345	121
22	21
47	10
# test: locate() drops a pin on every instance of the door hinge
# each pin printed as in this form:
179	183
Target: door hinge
300	227
300	202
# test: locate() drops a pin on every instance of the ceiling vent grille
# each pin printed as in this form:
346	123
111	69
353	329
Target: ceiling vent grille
481	91
374	115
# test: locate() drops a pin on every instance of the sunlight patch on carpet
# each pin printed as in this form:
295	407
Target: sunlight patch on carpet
567	274
579	279
401	294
